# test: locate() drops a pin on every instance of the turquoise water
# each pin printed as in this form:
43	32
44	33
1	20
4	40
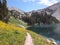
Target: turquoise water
49	31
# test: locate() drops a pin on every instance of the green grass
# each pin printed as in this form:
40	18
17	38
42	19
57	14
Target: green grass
12	38
39	39
16	22
13	35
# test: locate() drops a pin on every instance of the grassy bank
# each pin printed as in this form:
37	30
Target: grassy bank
11	34
39	39
17	22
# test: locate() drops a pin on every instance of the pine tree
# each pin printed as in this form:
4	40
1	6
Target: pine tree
3	10
0	10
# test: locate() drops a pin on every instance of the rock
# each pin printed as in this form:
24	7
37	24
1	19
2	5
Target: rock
48	41
21	26
53	41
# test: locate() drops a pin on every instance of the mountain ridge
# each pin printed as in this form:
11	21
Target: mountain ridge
53	11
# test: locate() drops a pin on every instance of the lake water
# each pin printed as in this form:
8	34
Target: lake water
49	31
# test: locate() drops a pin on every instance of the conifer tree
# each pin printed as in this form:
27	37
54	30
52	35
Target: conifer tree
3	10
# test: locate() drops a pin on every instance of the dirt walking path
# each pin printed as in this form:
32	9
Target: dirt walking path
29	40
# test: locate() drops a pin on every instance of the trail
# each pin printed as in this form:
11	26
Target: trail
29	40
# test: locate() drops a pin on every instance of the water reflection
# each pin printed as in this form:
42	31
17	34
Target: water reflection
49	31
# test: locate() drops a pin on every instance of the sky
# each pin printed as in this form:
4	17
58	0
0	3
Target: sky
29	5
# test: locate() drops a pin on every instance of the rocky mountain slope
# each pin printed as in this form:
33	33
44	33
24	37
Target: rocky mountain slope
17	13
54	10
48	15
